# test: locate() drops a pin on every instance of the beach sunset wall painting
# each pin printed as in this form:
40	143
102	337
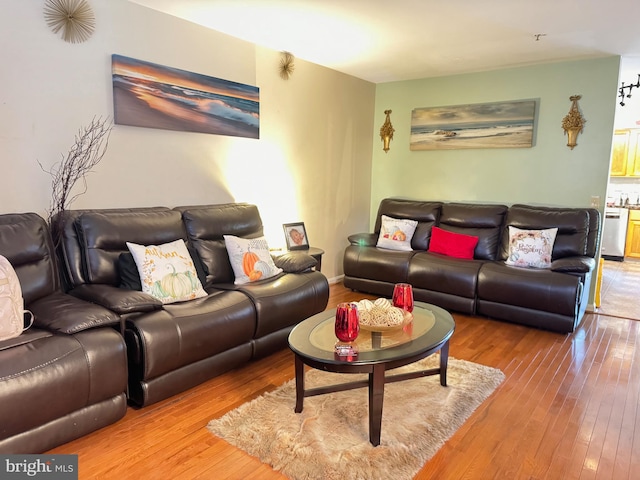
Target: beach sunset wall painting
484	125
155	96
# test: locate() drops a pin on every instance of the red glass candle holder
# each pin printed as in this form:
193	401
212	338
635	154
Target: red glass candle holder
403	296
347	324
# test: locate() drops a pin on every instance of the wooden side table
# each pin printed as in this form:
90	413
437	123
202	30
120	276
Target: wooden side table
313	251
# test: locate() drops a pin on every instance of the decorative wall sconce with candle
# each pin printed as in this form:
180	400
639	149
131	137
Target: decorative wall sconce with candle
573	122
386	131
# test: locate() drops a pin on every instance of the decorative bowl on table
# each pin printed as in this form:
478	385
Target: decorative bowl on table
381	316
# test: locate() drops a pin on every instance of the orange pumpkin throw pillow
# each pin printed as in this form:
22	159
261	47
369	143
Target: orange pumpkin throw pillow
250	259
452	244
167	271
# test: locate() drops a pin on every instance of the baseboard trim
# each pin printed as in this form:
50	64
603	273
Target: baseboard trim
334	280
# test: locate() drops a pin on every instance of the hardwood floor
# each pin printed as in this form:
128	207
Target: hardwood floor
620	281
568	409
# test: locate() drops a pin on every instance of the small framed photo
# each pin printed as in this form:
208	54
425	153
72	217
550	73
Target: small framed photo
296	236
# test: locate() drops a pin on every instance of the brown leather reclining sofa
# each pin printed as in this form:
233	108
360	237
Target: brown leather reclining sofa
176	346
553	299
98	345
67	375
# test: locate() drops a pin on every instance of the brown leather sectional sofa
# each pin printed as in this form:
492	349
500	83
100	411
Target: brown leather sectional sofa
553	299
67	375
176	346
99	344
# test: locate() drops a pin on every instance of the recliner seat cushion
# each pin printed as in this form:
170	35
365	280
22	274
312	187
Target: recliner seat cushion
438	273
47	377
183	333
534	289
390	266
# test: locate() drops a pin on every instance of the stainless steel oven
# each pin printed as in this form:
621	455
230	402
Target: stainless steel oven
614	233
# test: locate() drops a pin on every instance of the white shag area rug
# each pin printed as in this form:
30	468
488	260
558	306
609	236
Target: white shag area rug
330	438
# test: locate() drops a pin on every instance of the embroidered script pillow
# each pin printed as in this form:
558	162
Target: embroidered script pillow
396	233
531	248
250	259
167	271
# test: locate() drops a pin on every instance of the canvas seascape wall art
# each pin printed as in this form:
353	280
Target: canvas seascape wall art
149	95
484	125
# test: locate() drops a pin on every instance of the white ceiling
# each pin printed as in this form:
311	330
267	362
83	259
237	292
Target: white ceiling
391	40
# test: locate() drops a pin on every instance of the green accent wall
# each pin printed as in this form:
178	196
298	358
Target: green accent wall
549	173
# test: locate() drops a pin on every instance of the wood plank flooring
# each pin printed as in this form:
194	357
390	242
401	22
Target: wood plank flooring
621	288
568	409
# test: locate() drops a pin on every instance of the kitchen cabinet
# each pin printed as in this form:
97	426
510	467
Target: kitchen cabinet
620	153
632	248
633	167
625	156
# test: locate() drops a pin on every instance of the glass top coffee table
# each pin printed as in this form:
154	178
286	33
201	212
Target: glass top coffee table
313	343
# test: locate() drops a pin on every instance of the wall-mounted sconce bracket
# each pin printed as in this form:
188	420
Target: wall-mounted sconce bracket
386	131
573	122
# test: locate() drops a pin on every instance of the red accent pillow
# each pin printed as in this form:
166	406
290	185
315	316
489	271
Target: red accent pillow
452	244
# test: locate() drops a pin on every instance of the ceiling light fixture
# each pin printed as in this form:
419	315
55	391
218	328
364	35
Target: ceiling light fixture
629	87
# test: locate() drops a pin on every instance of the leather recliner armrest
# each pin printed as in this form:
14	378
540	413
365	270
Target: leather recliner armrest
573	265
364	239
295	262
60	312
119	300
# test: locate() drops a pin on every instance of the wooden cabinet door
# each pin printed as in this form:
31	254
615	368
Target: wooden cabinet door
632	248
633	167
620	154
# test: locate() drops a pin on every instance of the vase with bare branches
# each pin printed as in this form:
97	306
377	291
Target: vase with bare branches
89	147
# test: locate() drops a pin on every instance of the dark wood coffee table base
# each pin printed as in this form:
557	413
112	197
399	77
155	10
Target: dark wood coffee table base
376	382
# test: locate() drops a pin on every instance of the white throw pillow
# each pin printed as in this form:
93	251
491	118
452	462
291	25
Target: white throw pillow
396	233
167	271
250	259
531	248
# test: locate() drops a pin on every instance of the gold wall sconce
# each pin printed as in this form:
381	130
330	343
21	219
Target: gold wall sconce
573	122
386	131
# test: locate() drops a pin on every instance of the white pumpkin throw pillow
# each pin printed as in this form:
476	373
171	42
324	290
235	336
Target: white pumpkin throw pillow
250	259
531	248
396	233
167	271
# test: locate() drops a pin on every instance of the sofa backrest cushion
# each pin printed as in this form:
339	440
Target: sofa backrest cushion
205	226
593	240
101	237
478	220
26	242
572	223
426	213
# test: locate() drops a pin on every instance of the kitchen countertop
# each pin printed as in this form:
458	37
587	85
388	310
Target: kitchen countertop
628	207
